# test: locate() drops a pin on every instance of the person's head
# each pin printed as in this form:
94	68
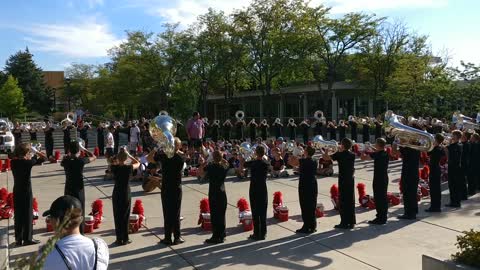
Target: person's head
309	151
129	123
439	138
178	143
152	168
380	144
122	156
66	211
475	138
456	135
74	147
260	151
467	135
196	115
21	151
346	144
217	156
17	124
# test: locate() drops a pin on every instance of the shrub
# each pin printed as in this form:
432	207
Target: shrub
469	245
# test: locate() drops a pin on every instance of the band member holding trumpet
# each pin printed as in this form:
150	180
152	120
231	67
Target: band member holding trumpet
342	130
48	131
352	122
227	129
277	126
346	185
434	182
73	166
83	128
380	180
33	133
252	125
264	129
305	125
214	130
22	164
66	137
121	198
292	129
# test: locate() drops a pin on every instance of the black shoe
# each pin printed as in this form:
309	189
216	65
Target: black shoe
166	242
18	243
453	205
344	226
31	242
178	241
214	241
126	242
377	222
302	230
430	210
262	237
407	217
253	237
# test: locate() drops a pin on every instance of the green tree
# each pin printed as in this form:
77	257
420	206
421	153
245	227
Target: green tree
30	79
11	98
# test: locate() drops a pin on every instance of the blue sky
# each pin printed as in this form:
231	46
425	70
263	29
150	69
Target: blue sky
59	32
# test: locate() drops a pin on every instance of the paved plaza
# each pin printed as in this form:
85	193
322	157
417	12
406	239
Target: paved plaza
397	245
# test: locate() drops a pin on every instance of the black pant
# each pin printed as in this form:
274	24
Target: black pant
80	195
66	145
121	213
49	148
22	201
308	205
101	147
380	187
171	205
455	180
347	203
115	146
410	188
259	201
218	207
472	183
434	184
109	152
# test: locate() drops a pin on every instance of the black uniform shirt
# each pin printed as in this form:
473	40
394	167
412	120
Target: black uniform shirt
435	156
171	170
21	170
121	177
380	164
258	179
215	173
454	156
73	167
307	170
49	134
346	161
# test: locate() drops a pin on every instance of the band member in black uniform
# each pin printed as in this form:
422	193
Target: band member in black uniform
292	129
116	139
258	193
474	172
380	180
353	129
346	162
318	129
171	191
409	180
216	172
307	189
17	133
83	129
73	167
239	125
378	128
434	182
277	127
101	140
66	138
332	126
121	198
305	128
22	165
467	148
227	129
264	129
366	132
48	131
215	130
33	134
342	130
252	125
455	176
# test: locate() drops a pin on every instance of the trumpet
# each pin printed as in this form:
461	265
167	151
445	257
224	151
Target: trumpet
351	118
240	115
406	136
319	143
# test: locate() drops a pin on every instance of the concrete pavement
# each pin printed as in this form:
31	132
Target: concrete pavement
397	245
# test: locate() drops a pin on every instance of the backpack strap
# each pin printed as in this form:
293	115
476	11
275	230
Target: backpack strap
63	257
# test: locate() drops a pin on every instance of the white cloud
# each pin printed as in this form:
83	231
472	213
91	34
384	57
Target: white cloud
345	6
87	39
94	3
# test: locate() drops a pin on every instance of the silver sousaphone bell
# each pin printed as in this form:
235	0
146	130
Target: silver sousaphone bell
163	129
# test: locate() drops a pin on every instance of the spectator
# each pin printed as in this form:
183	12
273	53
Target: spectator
73	250
325	167
278	164
195	130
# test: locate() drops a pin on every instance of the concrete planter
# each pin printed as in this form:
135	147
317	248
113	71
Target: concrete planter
430	263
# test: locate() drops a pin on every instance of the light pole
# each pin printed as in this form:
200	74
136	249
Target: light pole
204	87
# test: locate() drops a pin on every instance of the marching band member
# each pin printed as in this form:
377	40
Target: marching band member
216	173
83	129
101	139
22	164
171	191
292	129
366	132
307	189
409	180
353	129
116	138
378	128
66	138
277	126
466	164
258	193
434	182
33	134
227	129
305	126
239	125
342	130
318	128
73	166
380	180
48	131
253	130
17	133
215	127
454	154
264	129
332	126
475	161
121	198
346	185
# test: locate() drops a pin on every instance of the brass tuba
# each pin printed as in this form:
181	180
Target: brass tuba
246	151
240	115
406	136
163	129
291	121
319	143
462	121
69	120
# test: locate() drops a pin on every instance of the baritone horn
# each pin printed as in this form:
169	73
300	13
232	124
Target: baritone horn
163	129
406	136
319	143
240	115
462	121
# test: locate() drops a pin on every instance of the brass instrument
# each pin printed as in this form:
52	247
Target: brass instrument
69	120
352	118
318	115
464	122
163	113
205	120
291	121
319	143
277	121
163	129
406	136
216	122
264	122
240	115
246	151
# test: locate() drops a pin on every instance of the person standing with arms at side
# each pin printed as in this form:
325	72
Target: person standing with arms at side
380	180
307	189
48	131
455	176
116	137
258	193
22	164
216	172
66	138
121	198
101	139
134	133
346	183
409	180
110	142
73	166
434	182
171	191
195	131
